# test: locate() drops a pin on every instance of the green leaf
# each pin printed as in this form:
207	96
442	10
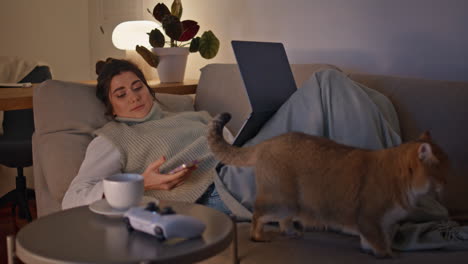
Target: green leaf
176	8
160	11
151	58
195	44
209	45
156	38
172	26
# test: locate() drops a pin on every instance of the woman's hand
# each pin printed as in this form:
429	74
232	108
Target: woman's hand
153	180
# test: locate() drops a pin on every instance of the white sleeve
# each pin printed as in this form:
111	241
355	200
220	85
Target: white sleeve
102	159
228	135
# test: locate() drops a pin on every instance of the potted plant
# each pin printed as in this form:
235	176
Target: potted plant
170	61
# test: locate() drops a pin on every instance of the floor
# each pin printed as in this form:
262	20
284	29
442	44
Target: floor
10	225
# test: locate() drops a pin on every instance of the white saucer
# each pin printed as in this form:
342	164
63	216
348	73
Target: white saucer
102	207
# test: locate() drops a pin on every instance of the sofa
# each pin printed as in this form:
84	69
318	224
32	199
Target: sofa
66	113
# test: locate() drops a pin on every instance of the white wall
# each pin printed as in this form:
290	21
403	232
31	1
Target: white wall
50	31
420	38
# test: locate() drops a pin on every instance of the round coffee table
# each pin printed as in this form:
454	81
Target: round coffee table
80	236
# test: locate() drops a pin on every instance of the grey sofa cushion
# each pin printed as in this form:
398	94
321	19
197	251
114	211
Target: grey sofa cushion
441	108
65	115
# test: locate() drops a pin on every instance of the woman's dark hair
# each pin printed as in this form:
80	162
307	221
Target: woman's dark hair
106	70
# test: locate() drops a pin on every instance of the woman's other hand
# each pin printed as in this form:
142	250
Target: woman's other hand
154	180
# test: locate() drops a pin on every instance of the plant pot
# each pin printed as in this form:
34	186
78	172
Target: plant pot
172	63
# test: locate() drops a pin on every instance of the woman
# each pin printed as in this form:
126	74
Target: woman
143	139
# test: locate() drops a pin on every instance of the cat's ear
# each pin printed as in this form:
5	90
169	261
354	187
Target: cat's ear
425	136
425	153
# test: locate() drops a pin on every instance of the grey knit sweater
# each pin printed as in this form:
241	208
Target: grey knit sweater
180	137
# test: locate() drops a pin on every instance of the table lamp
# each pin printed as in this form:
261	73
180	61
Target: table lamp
127	35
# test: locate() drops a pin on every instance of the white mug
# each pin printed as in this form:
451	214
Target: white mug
123	190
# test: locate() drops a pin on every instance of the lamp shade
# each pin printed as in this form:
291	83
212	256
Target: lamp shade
127	35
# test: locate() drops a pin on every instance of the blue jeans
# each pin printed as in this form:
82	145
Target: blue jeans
212	199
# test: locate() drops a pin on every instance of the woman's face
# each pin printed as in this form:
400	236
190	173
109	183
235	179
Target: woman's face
129	96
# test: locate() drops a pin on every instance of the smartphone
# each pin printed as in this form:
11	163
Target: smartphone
183	166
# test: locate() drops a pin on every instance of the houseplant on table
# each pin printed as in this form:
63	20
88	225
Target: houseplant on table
171	61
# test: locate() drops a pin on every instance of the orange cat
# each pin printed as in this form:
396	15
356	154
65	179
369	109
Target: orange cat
322	183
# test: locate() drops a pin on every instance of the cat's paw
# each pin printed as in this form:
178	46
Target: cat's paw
259	238
367	251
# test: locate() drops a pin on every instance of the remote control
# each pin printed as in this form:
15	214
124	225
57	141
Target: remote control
163	223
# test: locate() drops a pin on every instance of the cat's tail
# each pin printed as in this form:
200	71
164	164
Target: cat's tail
225	152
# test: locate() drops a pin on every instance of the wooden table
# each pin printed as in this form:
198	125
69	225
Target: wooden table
22	98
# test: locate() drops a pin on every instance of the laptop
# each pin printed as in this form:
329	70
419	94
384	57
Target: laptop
268	80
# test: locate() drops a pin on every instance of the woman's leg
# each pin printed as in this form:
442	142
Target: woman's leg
212	199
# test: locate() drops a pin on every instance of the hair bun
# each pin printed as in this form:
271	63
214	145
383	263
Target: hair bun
100	66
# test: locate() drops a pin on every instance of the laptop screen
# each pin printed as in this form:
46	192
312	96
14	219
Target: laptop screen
268	80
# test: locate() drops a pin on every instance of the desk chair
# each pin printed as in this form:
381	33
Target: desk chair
16	147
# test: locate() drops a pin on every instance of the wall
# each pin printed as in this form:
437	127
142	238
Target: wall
51	31
422	38
419	38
